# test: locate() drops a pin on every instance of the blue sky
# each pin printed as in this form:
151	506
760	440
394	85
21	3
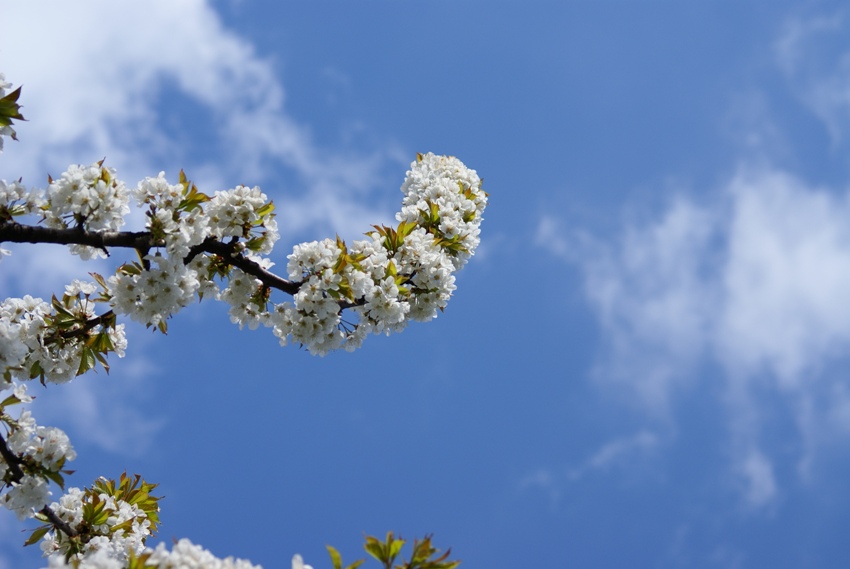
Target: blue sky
644	366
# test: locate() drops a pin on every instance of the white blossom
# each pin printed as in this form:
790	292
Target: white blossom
27	496
88	197
180	229
156	293
235	212
4	130
186	555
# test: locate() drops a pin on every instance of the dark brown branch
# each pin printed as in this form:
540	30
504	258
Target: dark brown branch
69	334
17	233
13	462
57	522
231	254
141	241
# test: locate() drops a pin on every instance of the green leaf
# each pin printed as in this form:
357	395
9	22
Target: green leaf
266	209
336	558
11	400
101	342
124	526
391	270
87	360
37	534
56	477
405	228
395	547
192	198
10	110
374	548
132	269
36	371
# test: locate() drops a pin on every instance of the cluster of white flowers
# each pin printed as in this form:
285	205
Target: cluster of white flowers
88	197
247	303
440	191
399	275
15	199
234	212
116	544
27	496
16	315
30	341
40	449
183	555
186	555
151	295
178	228
24	323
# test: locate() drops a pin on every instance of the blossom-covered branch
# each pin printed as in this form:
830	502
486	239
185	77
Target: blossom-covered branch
141	241
217	246
195	245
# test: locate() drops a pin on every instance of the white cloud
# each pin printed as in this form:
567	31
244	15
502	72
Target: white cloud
617	452
621	452
96	89
111	412
757	473
817	70
647	291
754	282
785	278
543	480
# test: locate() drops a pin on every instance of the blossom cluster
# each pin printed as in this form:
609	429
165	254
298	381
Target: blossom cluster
15	200
183	555
399	274
86	197
112	518
55	341
31	456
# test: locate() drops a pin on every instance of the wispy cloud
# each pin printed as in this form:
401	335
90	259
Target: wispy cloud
649	293
613	454
754	281
751	279
616	452
109	88
112	412
818	72
759	481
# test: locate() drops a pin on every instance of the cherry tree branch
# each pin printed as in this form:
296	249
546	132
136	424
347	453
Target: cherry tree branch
13	462
18	233
142	241
57	522
230	252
